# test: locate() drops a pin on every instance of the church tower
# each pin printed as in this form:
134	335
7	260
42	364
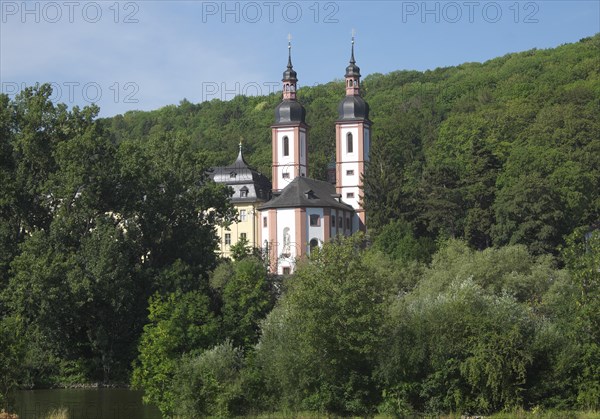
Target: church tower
289	133
353	139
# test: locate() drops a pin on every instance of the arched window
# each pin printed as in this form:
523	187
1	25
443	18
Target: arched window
349	143
286	146
313	243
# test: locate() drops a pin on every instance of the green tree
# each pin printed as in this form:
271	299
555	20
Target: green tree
398	240
241	249
12	357
582	256
460	350
178	324
166	196
318	345
209	384
247	299
529	212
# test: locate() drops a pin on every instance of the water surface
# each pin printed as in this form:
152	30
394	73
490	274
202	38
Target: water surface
102	403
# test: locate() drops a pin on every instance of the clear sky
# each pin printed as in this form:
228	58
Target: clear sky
128	55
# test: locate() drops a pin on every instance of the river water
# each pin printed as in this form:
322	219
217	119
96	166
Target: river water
102	403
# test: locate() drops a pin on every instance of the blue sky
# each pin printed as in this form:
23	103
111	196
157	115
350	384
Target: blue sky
128	55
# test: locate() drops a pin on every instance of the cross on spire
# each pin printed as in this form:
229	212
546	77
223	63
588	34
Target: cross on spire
352	60
289	50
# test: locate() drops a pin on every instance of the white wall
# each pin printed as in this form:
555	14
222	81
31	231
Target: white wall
367	146
349	161
282	160
286	219
317	232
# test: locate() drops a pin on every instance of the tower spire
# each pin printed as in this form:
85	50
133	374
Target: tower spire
289	66
289	76
352	74
352	60
240	158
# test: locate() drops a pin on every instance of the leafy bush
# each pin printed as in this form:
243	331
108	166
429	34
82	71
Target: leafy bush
209	384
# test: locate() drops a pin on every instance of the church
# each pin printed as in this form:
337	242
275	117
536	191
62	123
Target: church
298	213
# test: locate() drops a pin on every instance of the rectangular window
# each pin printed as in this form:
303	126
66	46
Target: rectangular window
264	221
350	195
242	215
349	172
243	236
285	175
340	222
227	239
333	221
348	223
315	220
286	270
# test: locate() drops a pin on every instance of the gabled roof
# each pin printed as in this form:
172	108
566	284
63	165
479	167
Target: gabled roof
305	192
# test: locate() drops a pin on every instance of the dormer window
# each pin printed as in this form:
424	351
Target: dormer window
310	194
232	175
244	192
349	143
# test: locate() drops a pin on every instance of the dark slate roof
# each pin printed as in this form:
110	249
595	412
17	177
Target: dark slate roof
239	176
290	112
353	108
352	70
305	192
289	74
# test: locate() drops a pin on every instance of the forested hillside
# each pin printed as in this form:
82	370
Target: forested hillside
476	290
501	152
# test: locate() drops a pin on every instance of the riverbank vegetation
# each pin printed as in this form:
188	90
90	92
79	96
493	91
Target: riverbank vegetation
476	291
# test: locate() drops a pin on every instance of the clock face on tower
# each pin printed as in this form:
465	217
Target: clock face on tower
287	172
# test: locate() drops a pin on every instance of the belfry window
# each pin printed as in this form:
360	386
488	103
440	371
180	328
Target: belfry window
349	143
286	146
